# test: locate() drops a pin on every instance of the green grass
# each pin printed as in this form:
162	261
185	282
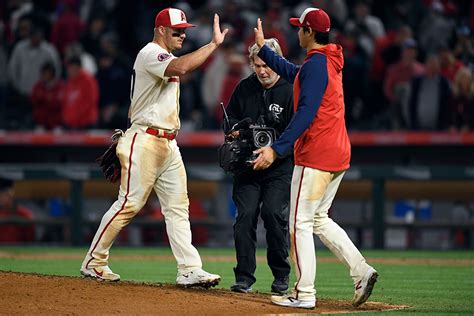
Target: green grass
427	289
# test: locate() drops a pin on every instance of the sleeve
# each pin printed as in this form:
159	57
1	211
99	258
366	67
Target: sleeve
313	80
233	109
279	64
157	61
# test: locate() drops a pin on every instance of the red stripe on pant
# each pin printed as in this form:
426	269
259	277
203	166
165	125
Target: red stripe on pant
294	232
123	205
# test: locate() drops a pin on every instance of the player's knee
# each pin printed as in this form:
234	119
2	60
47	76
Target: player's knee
320	222
128	210
176	205
180	201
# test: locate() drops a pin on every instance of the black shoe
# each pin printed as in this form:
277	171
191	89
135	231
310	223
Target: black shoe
280	285
241	287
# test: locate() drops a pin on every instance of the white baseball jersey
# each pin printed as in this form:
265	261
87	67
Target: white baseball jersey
154	97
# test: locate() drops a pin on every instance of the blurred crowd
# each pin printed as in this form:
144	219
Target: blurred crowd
66	64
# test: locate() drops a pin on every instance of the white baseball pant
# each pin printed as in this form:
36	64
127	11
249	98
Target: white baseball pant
148	162
312	193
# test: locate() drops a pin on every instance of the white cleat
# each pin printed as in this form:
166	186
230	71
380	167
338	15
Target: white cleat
100	273
364	287
290	301
197	277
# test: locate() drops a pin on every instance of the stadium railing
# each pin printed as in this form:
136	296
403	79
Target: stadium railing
378	174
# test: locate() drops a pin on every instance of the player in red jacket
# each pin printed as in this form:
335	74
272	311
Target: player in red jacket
46	99
322	155
81	97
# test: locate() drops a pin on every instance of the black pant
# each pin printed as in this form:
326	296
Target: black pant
268	196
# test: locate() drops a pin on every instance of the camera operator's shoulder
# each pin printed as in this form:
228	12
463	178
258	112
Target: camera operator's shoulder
284	84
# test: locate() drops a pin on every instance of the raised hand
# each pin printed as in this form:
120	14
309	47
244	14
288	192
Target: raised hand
218	36
259	37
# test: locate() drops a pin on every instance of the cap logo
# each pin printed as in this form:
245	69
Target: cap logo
176	16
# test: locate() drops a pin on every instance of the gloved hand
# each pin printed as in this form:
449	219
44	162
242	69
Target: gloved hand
109	162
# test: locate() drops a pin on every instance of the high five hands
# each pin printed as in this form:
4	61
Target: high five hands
259	37
218	36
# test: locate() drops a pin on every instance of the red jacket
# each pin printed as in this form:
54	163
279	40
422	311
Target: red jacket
81	101
318	128
46	102
325	144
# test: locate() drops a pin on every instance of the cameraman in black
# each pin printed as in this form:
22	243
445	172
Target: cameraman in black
267	99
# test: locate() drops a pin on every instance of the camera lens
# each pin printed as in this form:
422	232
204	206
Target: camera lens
262	139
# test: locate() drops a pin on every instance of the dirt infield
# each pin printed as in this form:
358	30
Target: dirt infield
32	294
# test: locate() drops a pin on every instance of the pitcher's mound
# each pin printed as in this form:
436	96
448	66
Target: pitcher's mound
31	294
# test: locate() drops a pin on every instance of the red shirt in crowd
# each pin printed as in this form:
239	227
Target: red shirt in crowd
46	101
66	30
81	101
399	73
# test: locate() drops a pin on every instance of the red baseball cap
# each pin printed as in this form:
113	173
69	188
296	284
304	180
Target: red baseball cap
314	18
171	17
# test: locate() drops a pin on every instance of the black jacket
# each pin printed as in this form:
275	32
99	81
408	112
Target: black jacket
250	99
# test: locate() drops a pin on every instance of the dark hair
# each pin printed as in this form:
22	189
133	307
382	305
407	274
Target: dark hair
74	60
321	38
48	66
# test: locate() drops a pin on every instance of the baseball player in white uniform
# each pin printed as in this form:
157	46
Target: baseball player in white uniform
149	155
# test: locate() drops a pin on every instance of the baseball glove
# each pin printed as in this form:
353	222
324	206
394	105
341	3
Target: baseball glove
109	162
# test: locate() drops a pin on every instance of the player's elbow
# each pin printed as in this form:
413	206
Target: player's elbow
180	71
177	70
